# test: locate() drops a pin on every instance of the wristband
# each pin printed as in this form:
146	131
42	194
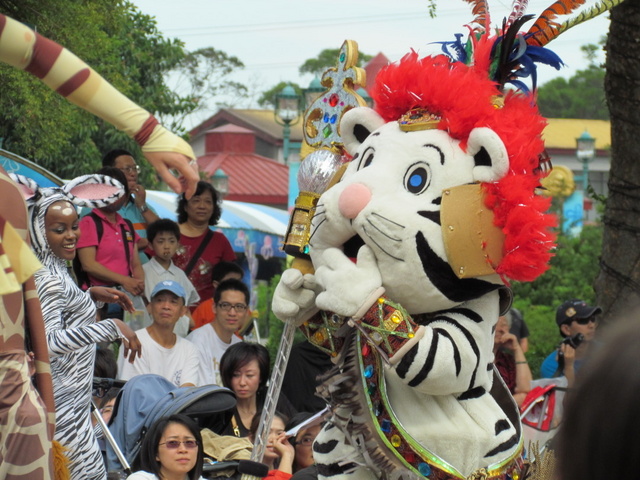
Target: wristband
521	363
144	208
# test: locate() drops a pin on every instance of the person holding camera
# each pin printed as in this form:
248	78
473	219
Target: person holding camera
577	323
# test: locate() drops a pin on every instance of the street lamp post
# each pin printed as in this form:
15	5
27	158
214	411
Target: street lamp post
220	181
313	91
287	113
586	152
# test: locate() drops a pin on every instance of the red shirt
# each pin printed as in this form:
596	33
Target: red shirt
110	252
219	249
506	365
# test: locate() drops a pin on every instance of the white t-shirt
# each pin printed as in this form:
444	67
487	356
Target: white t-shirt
178	364
154	273
211	349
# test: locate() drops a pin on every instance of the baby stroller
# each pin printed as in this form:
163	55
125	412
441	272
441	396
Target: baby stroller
146	398
541	411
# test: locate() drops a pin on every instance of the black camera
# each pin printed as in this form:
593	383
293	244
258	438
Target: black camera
574	341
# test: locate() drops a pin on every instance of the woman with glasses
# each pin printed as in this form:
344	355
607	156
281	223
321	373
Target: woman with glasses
171	450
303	443
244	369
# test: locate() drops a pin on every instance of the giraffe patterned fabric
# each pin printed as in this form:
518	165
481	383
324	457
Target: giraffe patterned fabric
27	417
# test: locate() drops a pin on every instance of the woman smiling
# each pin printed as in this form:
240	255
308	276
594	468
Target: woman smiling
70	314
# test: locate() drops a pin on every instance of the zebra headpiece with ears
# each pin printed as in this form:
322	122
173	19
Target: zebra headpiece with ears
93	191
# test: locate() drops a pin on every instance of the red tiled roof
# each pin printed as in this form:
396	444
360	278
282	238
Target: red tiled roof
372	68
262	122
252	178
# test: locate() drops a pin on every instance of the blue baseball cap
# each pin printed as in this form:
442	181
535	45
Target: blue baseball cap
169	286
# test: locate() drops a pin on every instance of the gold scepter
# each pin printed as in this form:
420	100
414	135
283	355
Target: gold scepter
323	164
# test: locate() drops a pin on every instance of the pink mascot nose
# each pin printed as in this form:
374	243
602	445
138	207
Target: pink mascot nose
353	199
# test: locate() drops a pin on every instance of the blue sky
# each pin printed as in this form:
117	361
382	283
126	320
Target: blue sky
273	38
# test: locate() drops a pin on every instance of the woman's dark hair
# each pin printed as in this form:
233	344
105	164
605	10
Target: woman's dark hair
147	460
255	421
105	364
237	356
600	425
297	419
200	189
160	226
119	175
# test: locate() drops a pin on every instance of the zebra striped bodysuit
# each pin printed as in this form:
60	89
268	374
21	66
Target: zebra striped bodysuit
72	332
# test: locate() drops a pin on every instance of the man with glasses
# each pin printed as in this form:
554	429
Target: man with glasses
577	323
136	209
231	307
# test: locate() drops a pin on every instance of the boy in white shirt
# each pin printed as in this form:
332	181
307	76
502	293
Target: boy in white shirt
163	236
163	352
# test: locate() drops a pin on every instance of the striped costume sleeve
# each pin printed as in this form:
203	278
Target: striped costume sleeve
69	76
62	340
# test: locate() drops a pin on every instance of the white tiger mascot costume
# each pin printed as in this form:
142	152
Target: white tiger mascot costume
439	206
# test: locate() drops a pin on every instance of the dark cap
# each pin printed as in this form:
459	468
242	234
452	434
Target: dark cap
572	309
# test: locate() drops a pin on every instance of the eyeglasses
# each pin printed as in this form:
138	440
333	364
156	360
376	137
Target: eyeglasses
305	441
226	306
585	321
127	170
173	444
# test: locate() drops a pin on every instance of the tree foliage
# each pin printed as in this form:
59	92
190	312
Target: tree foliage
268	98
327	58
124	46
572	271
581	96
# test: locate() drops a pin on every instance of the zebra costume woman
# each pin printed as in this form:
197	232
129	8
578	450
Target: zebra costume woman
70	324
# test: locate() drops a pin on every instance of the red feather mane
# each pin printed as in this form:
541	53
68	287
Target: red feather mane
464	97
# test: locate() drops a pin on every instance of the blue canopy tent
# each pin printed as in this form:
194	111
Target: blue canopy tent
247	225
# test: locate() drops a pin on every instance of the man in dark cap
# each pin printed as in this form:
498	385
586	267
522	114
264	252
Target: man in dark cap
577	323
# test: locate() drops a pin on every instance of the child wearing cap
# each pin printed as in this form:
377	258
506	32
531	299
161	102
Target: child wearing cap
163	352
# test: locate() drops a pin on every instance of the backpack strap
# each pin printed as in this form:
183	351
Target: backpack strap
196	256
99	226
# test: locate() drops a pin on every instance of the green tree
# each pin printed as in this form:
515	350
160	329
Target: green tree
200	76
581	96
268	98
120	43
327	58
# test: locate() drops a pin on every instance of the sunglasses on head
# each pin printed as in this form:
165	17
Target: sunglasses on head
173	444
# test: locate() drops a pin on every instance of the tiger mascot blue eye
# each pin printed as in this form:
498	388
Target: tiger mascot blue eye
416	179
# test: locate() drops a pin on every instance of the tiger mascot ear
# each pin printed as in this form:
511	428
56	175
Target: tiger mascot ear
356	125
489	155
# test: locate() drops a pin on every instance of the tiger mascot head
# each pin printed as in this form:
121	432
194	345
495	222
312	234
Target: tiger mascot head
439	125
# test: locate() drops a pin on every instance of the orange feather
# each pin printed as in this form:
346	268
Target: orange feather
546	29
481	11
